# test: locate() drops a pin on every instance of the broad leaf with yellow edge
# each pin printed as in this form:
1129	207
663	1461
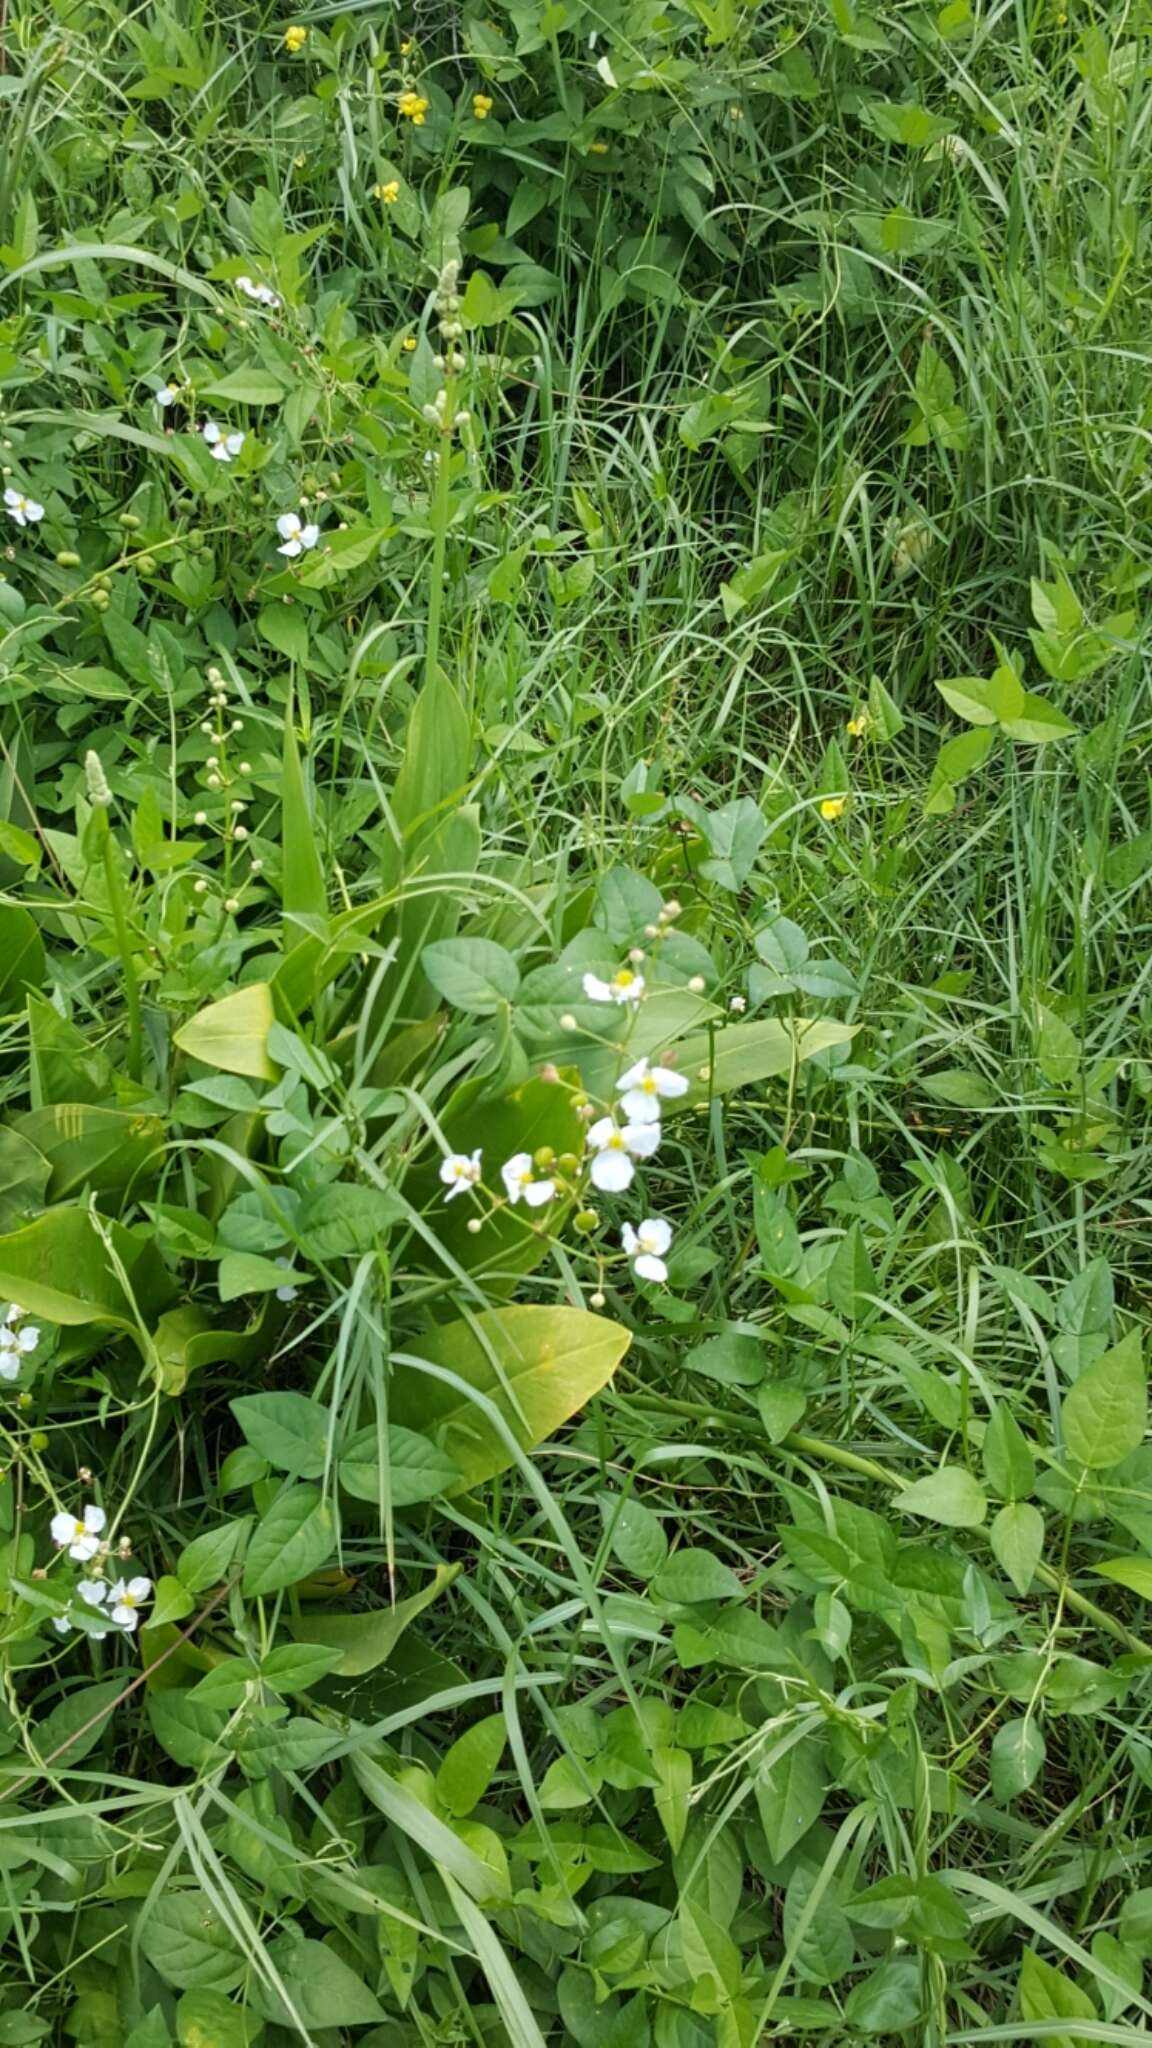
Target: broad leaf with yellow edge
60	1268
536	1365
233	1033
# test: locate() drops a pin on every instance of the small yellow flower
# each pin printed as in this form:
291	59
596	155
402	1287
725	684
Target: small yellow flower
832	807
389	193
598	148
858	726
481	105
407	47
413	108
408	344
295	39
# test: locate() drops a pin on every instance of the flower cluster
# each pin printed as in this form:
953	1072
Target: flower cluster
118	1601
443	413
413	107
629	1131
16	1342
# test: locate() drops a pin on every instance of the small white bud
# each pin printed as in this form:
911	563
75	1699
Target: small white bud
214	782
697	984
201	818
596	1300
567	1021
200	886
231	905
475	1225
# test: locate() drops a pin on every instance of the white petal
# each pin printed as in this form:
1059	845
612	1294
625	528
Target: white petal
210	431
310	535
94	1520
32	510
291	548
125	1616
287	1293
598	991
512	1174
11	496
234	443
61	1624
601	1132
669	1083
612	1172
641	1139
629	1240
287	525
633	1077
9	1365
28	1338
93	1592
649	1268
63	1528
538	1192
18	517
140	1589
84	1549
655	1234
640	1108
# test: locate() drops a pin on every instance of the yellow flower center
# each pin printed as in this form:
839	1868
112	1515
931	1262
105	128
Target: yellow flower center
615	1143
648	1084
624	979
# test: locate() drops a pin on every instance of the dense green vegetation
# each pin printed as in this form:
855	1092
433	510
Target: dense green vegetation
574	998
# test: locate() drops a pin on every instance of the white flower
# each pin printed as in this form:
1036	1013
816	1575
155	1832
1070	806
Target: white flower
25	511
125	1597
15	1345
287	1292
262	293
459	1172
295	536
738	1003
13	1312
521	1183
61	1624
224	446
167	395
94	1592
624	987
80	1538
646	1247
644	1087
612	1169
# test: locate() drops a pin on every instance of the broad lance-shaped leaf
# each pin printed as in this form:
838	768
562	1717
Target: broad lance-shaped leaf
365	1641
302	886
1105	1414
742	1054
60	1268
535	1365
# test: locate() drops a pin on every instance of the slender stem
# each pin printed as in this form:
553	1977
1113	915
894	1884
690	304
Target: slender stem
441	510
128	965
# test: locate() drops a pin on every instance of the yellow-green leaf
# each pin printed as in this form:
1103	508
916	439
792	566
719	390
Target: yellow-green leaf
535	1365
233	1033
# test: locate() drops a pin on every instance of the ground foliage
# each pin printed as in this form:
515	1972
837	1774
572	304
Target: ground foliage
541	538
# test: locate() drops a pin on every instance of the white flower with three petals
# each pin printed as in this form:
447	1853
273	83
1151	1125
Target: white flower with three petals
295	536
646	1247
615	1149
461	1171
224	446
624	987
79	1536
644	1087
125	1597
25	511
521	1184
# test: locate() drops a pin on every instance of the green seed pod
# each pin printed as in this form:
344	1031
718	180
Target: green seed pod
67	559
129	520
586	1220
146	565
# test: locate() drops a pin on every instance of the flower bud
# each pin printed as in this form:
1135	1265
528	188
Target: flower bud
99	793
